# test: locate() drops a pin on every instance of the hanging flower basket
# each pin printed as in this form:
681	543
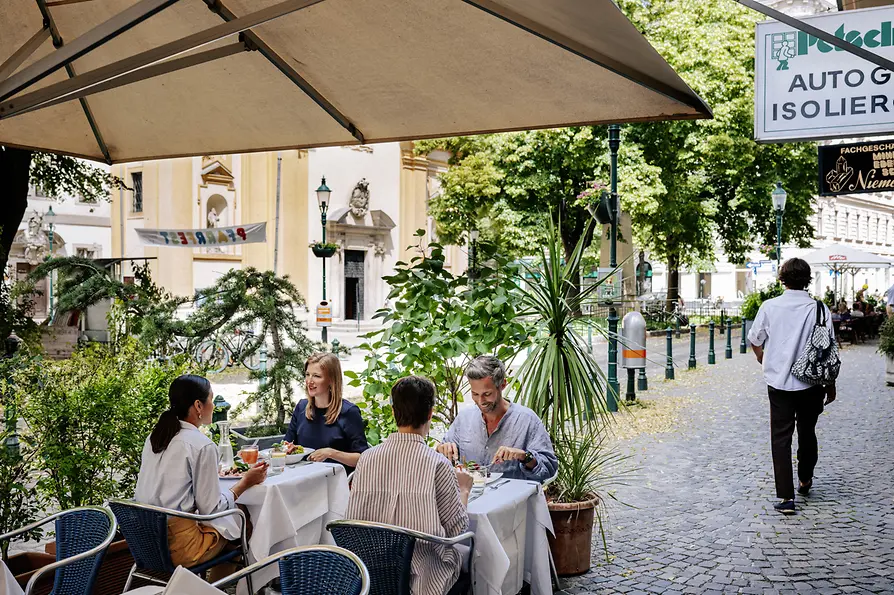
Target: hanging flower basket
321	250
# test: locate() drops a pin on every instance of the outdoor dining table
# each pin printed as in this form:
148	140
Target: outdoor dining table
291	509
510	521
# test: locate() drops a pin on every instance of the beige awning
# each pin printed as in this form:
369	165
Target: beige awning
328	72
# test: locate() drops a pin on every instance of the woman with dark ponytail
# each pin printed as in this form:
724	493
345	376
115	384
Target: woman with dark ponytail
179	471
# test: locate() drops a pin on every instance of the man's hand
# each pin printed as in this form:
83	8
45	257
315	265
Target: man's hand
831	393
449	450
464	478
758	353
507	453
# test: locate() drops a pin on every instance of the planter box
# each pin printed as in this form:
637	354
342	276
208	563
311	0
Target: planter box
889	370
322	252
264	442
23	566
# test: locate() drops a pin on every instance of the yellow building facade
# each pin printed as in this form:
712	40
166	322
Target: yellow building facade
379	199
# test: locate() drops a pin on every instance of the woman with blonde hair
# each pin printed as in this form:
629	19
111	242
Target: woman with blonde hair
324	421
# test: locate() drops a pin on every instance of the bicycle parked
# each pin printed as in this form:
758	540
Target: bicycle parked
222	351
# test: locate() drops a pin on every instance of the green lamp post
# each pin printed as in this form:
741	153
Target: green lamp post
778	197
323	193
50	217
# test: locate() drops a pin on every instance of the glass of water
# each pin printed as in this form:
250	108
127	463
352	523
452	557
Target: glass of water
277	460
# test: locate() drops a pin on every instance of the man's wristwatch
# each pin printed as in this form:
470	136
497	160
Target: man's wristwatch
529	456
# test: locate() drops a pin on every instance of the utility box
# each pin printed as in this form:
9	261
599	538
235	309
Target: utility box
633	341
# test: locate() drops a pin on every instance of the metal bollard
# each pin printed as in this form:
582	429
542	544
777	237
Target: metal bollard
263	365
677	321
712	358
669	368
722	321
729	339
335	345
743	347
590	337
221	410
633	353
691	346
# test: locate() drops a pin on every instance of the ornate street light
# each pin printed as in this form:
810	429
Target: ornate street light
778	197
50	217
323	193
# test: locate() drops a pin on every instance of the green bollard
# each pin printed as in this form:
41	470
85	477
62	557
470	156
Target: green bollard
743	347
722	321
642	383
669	368
677	321
729	339
712	358
691	346
631	392
221	410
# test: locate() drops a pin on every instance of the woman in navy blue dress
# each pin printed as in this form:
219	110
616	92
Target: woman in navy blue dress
324	421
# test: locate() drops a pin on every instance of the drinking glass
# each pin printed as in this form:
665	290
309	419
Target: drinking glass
277	460
249	454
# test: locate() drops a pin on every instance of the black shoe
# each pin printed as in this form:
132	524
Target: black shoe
804	488
785	507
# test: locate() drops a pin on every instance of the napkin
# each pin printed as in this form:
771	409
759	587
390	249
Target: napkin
183	582
8	583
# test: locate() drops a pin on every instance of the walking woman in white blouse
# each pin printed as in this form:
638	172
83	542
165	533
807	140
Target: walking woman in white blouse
179	471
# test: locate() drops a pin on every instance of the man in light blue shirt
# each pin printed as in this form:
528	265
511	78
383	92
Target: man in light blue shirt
507	436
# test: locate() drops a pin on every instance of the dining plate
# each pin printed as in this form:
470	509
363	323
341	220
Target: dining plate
493	477
290	459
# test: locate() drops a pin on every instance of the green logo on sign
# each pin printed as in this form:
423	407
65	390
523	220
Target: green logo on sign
783	47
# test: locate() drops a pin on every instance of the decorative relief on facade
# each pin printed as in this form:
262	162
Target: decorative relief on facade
359	203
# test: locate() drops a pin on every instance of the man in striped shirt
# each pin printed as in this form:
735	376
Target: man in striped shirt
405	483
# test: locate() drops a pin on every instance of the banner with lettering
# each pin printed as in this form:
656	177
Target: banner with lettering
252	233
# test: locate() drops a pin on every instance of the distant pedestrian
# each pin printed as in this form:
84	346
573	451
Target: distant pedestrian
889	301
778	337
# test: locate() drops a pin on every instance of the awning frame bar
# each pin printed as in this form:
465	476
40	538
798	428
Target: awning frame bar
13	62
90	40
819	34
133	65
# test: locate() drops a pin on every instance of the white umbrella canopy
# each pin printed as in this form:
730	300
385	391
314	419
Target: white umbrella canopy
839	256
231	76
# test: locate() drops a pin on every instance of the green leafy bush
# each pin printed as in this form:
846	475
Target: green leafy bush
754	300
886	338
438	323
91	415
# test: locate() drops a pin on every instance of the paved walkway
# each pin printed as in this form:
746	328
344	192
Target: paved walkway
704	521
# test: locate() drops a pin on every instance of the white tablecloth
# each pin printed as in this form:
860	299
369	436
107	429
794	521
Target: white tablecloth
510	524
292	509
8	583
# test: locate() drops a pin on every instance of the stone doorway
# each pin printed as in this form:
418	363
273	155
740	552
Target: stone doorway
354	284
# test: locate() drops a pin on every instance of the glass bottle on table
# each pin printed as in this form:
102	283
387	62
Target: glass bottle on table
224	447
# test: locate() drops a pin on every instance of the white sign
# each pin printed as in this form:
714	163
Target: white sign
252	233
808	89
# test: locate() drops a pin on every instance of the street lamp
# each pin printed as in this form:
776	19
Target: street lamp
473	249
50	217
323	193
778	196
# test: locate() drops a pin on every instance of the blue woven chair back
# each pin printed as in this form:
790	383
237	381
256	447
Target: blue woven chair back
319	573
77	532
386	553
146	532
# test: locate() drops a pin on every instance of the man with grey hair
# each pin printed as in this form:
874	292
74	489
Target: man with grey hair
508	437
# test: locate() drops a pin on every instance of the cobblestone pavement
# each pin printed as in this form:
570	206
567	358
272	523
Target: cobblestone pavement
704	521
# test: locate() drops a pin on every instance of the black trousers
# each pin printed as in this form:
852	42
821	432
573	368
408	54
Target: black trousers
787	409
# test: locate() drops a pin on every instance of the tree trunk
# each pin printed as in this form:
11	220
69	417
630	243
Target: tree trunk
277	390
15	167
673	281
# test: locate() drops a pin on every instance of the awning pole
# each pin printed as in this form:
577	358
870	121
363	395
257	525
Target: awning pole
819	34
22	54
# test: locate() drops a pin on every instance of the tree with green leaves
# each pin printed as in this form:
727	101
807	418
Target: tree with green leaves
54	175
716	177
264	303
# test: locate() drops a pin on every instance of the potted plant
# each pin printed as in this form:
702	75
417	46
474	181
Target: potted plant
561	381
754	300
324	249
886	348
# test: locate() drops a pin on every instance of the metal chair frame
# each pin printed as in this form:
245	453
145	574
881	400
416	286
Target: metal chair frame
195	517
113	528
446	541
245	572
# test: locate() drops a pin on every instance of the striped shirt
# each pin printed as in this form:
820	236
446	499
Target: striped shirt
405	483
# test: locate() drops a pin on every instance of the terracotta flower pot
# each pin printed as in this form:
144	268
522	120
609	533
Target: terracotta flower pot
573	526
